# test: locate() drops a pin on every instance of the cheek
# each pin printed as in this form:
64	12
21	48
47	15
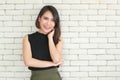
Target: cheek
53	24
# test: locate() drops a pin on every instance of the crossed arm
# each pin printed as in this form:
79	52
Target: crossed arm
29	61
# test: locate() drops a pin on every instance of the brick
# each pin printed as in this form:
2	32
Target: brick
53	1
79	74
5	18
11	57
106	23
6	63
113	63
98	74
96	51
19	29
5	52
113	29
89	1
13	46
78	17
88	78
88	46
8	6
88	12
106	12
98	6
31	12
87	23
114	40
26	6
71	1
110	1
107	46
13	35
77	6
111	74
2	12
12	23
22	74
6	29
70	12
88	68
14	1
114	6
79	63
2	2
106	68
6	74
15	68
70	23
97	62
78	51
105	57
14	12
64	18
21	18
113	51
96	18
70	68
87	57
106	34
68	35
98	40
31	1
28	23
78	29
88	34
96	29
107	78
62	6
79	40
6	40
113	18
71	57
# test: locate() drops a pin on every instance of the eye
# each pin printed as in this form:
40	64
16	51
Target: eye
45	18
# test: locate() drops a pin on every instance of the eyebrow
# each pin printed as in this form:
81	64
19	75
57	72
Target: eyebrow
48	17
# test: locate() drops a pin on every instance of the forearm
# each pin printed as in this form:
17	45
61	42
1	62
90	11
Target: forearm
55	55
39	63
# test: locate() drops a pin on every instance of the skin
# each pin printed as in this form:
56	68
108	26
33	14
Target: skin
46	27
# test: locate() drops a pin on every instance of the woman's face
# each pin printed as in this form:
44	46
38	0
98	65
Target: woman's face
46	22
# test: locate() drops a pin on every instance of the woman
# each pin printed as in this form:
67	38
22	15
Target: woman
42	50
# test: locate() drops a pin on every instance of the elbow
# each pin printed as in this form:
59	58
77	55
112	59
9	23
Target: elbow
27	63
56	61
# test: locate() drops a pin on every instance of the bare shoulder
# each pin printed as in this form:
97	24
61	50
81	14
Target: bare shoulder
25	38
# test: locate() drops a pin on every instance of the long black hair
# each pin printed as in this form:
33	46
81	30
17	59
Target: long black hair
56	19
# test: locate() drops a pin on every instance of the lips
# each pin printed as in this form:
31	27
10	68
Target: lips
46	27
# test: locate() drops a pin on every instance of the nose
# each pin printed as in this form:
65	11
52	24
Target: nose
48	22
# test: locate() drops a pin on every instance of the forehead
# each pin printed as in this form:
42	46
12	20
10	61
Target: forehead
48	14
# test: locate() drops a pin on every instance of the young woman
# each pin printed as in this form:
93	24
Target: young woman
42	50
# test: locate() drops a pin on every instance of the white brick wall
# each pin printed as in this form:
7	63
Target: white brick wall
90	29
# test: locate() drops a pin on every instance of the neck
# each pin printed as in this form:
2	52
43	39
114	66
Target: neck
42	32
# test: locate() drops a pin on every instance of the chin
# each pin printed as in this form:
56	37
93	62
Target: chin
47	31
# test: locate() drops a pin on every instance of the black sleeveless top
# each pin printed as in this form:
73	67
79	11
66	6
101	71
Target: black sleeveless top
39	48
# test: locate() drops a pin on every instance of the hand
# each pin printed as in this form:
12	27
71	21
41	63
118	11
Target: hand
61	62
51	33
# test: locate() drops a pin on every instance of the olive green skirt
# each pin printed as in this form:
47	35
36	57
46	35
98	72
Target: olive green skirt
49	74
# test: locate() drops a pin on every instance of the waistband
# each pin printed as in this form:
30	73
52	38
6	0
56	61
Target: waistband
51	70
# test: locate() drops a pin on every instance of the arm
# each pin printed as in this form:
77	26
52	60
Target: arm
27	56
55	51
